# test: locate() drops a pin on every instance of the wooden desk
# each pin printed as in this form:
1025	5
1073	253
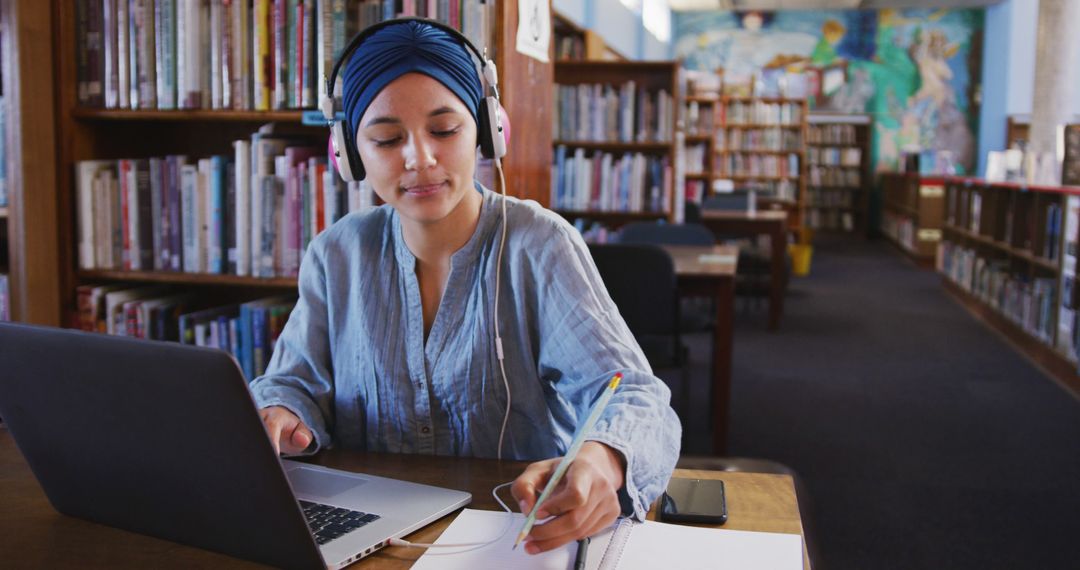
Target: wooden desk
33	535
772	223
709	271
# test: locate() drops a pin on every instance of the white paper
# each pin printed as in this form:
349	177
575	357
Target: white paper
717	258
660	545
646	546
534	28
472	526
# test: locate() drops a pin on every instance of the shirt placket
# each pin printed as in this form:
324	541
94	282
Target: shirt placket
424	435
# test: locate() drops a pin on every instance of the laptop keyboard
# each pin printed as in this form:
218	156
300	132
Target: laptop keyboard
328	523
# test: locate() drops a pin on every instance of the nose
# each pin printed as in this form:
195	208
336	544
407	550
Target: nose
418	154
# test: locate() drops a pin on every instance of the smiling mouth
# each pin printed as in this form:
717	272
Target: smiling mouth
422	190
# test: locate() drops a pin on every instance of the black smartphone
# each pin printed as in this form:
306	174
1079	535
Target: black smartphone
694	500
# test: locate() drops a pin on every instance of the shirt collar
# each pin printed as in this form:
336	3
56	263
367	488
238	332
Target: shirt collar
489	215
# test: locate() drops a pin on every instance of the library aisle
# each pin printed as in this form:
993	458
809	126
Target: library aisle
924	439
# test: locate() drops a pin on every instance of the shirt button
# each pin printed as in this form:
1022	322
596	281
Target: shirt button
425	429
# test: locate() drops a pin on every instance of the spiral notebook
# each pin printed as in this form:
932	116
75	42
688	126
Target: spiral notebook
627	545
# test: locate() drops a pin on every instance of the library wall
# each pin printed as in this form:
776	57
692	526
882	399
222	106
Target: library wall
610	19
914	70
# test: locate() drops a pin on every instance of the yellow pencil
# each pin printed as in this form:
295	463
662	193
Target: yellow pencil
567	459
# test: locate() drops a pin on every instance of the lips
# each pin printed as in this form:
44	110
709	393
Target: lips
422	190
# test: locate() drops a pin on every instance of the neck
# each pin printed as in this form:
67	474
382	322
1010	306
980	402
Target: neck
434	243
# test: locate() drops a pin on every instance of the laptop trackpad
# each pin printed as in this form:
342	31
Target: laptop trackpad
320	484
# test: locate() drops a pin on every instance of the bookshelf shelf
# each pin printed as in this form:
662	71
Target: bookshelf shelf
762	126
618	94
609	217
188	278
616	146
697	139
799	152
85	133
88	114
701	100
839	172
1009	255
913	214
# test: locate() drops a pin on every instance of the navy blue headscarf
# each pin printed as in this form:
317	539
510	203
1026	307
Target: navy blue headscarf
408	47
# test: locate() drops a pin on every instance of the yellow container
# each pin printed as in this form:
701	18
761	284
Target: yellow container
801	254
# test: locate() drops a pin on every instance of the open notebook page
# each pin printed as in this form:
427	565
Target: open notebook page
632	545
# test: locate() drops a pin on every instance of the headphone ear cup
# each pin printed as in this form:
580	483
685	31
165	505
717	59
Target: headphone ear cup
340	152
355	164
492	142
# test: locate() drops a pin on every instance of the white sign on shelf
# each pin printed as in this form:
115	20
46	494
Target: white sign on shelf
534	28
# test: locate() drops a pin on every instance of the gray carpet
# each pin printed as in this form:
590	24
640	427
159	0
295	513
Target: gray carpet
924	439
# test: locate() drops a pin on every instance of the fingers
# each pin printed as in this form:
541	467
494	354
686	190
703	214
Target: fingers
286	432
528	485
601	518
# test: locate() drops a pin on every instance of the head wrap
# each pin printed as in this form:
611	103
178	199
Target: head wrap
408	47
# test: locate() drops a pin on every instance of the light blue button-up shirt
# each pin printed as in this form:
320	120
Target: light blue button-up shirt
353	365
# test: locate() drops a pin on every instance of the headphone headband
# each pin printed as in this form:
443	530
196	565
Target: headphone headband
490	135
362	35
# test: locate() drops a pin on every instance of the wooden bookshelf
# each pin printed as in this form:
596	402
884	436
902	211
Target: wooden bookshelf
92	133
912	214
838	172
760	143
699	144
1009	255
575	43
655	144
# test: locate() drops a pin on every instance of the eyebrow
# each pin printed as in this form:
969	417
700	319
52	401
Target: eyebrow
394	120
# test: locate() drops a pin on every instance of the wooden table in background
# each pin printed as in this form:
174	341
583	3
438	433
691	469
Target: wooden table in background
709	271
773	223
33	535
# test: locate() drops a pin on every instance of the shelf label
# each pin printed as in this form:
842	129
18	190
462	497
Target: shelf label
931	191
929	235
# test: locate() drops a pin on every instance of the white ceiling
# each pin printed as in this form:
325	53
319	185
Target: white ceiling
822	4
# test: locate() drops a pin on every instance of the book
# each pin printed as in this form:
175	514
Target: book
627	545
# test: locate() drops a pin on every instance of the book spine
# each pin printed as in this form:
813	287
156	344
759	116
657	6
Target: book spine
164	49
123	56
242	222
203	214
216	212
86	172
258	337
217	62
307	96
156	178
125	198
293	15
145	223
82	64
228	217
188	175
228	62
263	55
280	54
146	56
206	71
111	57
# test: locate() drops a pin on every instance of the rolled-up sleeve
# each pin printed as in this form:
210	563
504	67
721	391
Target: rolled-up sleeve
584	342
299	376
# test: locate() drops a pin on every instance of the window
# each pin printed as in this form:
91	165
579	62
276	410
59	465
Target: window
657	18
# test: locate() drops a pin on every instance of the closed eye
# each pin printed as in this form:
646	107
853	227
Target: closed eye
386	143
446	133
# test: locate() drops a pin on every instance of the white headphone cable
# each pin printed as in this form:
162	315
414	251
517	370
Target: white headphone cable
494	493
498	336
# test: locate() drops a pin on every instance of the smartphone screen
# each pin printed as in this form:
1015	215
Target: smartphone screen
695	500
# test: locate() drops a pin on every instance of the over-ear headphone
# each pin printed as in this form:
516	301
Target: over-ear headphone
489	122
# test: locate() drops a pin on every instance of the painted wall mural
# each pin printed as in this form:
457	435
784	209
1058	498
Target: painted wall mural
915	70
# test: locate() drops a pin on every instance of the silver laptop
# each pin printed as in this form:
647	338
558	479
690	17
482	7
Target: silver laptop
164	439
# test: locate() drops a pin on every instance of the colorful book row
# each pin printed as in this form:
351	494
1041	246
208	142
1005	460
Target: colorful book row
604	182
618	114
248	331
252	214
231	54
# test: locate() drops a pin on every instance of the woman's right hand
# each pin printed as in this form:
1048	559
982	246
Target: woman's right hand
288	434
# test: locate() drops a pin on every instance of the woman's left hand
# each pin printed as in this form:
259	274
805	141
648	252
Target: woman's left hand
584	502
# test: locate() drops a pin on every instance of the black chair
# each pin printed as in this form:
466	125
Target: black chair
696	314
754	277
641	280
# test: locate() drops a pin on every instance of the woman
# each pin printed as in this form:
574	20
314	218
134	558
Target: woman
391	345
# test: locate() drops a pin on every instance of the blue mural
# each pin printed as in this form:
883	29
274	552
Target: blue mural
909	68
